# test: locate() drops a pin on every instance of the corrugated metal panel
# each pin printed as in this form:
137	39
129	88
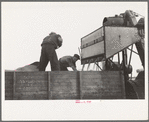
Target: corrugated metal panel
118	38
92	44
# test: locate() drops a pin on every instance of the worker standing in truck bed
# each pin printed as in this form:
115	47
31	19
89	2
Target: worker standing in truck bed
68	61
50	43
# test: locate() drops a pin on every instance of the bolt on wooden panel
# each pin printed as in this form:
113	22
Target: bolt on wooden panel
102	85
64	85
31	85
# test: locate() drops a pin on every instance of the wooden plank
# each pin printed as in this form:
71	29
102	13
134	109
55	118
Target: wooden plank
14	83
31	76
64	87
102	96
9	81
61	95
49	87
8	73
98	76
8	77
63	76
63	80
9	94
81	84
34	92
8	85
58	85
63	83
78	84
105	82
104	86
31	85
31	95
31	81
99	89
67	84
98	73
34	73
8	98
39	97
30	89
40	77
8	90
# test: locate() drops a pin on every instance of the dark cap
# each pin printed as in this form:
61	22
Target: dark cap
58	35
77	56
52	33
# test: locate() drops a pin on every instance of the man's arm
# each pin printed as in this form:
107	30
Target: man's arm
74	68
70	62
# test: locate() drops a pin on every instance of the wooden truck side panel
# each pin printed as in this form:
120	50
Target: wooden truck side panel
64	85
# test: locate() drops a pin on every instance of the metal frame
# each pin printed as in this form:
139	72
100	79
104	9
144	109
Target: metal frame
111	60
133	51
95	63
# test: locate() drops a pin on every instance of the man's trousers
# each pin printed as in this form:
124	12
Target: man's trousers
48	53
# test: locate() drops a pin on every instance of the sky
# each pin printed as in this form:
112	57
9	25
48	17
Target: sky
26	24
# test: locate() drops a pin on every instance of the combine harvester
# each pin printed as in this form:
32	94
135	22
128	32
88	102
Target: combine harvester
111	82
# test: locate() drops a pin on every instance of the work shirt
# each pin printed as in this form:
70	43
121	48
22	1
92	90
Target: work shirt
52	39
67	61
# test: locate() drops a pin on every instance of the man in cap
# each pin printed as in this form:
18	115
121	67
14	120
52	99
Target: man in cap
68	61
50	43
